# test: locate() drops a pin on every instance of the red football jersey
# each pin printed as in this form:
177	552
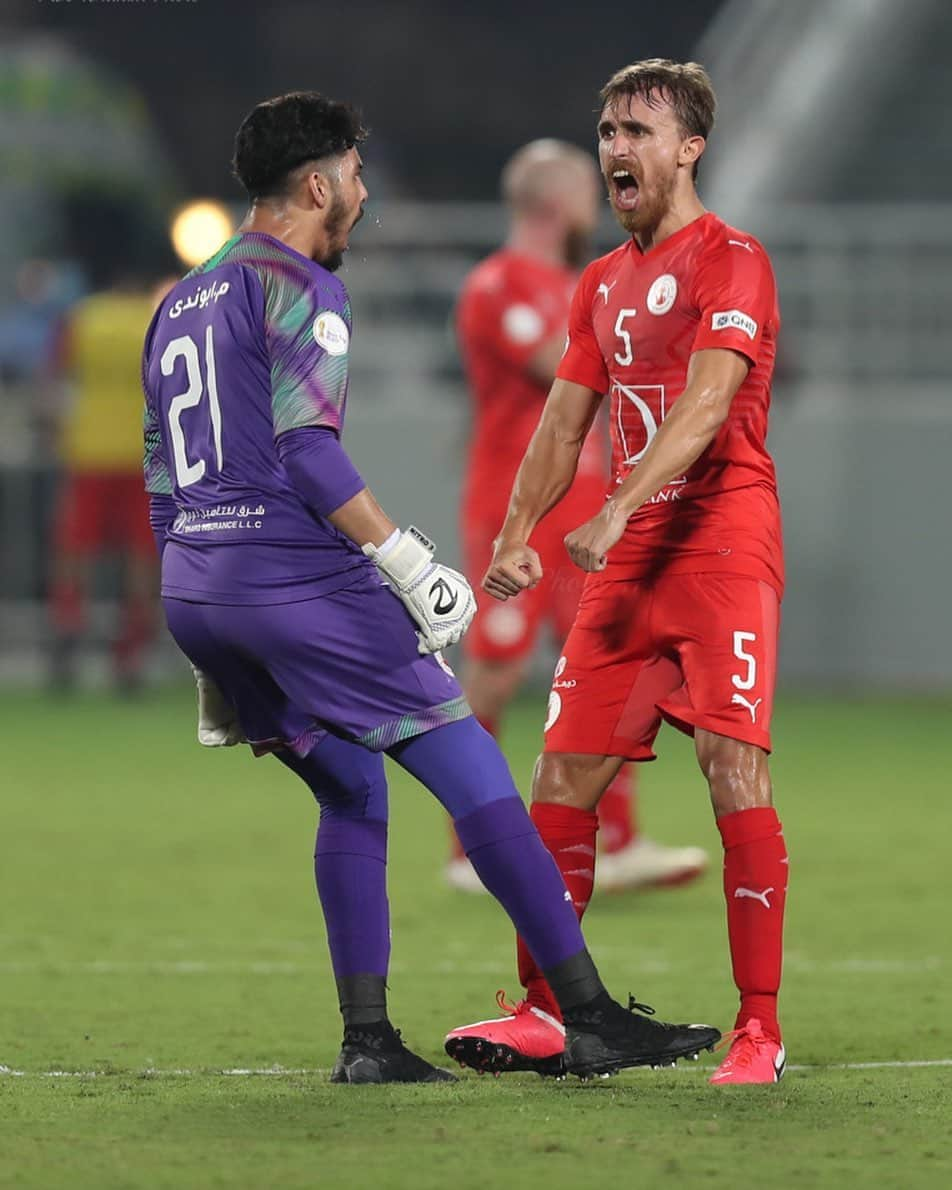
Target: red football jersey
509	306
636	318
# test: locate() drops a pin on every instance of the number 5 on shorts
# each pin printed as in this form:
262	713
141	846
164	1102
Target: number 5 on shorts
750	680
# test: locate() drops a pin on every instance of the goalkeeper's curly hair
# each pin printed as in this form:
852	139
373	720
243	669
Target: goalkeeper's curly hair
283	133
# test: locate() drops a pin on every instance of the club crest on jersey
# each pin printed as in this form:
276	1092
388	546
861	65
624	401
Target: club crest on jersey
331	333
662	294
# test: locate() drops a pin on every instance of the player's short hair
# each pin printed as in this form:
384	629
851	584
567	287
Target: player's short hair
529	172
282	133
685	85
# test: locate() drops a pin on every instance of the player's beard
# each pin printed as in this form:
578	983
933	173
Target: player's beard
651	208
340	222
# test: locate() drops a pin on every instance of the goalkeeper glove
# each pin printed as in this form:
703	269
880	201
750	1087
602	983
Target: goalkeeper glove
218	725
440	600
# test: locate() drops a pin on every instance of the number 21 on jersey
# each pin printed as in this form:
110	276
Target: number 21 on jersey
186	348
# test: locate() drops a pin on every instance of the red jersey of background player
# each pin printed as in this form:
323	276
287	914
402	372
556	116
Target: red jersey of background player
510	305
636	318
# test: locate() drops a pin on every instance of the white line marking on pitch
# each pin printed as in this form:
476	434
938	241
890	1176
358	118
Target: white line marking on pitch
801	964
282	1072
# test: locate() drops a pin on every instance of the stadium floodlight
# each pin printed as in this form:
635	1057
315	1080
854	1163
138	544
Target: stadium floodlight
199	228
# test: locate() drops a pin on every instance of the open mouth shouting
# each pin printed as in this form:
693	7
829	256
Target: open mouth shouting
624	189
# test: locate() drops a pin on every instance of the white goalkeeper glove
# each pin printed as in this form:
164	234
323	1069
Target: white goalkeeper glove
440	600
218	725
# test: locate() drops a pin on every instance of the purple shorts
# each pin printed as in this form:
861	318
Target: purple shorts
345	663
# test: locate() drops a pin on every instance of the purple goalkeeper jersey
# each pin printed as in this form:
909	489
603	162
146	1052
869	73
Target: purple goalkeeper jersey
249	345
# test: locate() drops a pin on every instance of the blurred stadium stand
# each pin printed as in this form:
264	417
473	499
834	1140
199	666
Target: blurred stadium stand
847	188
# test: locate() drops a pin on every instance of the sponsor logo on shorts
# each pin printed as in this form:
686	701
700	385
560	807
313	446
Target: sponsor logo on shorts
331	333
553	711
560	666
734	320
443	663
662	294
740	701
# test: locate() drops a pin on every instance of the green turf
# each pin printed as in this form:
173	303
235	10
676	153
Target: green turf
158	917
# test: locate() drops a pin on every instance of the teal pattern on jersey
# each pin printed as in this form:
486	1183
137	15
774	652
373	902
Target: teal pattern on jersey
158	482
308	380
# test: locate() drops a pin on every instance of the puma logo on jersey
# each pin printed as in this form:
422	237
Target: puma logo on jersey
605	290
754	896
740	701
445	597
741	244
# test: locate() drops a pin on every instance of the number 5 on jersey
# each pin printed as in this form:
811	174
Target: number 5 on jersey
185	347
627	356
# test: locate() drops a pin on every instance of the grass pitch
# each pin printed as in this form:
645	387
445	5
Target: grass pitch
160	928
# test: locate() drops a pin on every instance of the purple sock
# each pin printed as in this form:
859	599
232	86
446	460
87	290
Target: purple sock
350	865
504	847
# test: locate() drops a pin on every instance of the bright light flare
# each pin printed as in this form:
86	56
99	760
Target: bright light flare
199	229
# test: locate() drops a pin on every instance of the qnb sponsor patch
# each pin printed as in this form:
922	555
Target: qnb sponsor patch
734	320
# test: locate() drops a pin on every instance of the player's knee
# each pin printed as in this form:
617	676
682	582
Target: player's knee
346	780
736	772
569	780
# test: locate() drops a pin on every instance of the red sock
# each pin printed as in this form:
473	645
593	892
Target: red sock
569	834
492	726
755	885
617	817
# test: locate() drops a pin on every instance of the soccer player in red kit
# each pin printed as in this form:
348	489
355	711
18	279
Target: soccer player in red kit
679	616
512	318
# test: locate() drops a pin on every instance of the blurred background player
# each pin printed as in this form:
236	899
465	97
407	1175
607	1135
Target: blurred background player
102	508
512	318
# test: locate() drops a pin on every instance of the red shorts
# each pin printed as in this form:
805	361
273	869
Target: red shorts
699	650
508	631
100	510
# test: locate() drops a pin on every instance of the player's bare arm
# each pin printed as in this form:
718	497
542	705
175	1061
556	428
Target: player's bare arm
544	476
713	377
362	519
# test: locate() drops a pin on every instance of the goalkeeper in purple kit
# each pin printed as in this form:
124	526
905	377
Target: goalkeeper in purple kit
314	624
